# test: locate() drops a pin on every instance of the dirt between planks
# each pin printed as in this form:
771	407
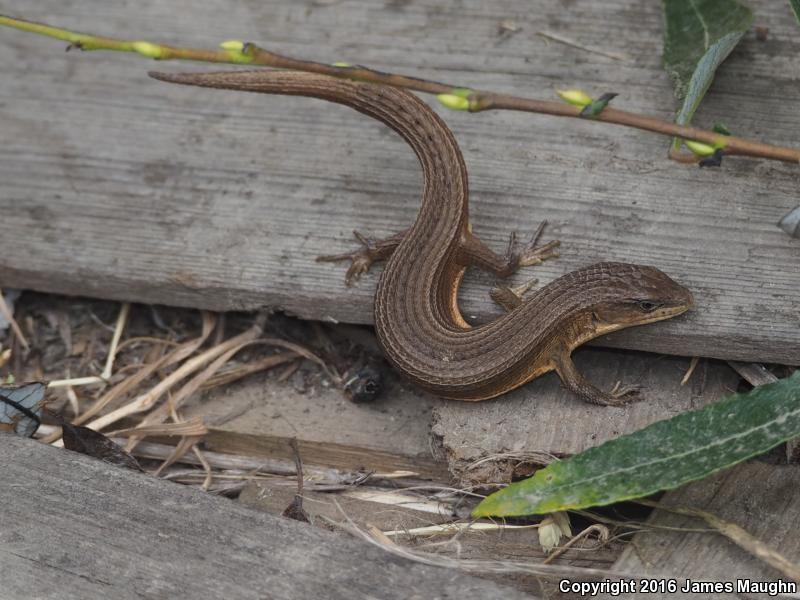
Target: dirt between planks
418	445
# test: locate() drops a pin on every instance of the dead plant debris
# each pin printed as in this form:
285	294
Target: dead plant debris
134	368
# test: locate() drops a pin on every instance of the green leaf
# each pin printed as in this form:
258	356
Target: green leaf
721	128
661	456
795	4
598	106
698	36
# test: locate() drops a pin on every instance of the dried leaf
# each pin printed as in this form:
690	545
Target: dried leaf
93	443
21	407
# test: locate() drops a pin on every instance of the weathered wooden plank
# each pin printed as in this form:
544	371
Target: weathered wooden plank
545	419
256	417
759	497
121	187
75	527
329	454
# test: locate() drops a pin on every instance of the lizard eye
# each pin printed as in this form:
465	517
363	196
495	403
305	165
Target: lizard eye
647	305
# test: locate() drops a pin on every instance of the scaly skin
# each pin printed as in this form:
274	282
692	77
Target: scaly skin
416	314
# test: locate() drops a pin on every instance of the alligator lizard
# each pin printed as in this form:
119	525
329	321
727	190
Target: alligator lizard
417	318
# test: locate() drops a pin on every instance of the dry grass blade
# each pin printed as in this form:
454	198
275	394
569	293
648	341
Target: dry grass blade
481	567
122	319
162	413
456	528
404	499
5	356
206	467
305	353
219	460
196	383
241	371
146	339
184	445
193	427
72	397
147	400
6	312
131	383
602	533
76	381
690	371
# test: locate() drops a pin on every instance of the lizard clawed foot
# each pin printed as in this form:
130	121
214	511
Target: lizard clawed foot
531	254
361	259
623	394
509	297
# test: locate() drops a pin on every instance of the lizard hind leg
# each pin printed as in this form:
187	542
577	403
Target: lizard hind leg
509	297
531	253
475	252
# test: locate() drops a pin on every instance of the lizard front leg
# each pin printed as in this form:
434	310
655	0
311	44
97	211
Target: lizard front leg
574	381
509	299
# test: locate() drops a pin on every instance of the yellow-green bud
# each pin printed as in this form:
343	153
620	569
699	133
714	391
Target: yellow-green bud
239	52
147	49
462	92
699	148
577	98
342	65
232	45
453	102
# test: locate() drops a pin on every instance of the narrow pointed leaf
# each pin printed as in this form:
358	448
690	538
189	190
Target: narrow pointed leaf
795	4
698	36
598	106
662	456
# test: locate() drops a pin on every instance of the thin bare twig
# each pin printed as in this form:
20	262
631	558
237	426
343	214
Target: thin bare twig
690	371
601	530
473	100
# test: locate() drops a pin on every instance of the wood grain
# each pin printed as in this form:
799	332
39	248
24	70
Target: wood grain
120	187
326	454
75	527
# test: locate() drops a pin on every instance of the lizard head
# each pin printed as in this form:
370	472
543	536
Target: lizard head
635	295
